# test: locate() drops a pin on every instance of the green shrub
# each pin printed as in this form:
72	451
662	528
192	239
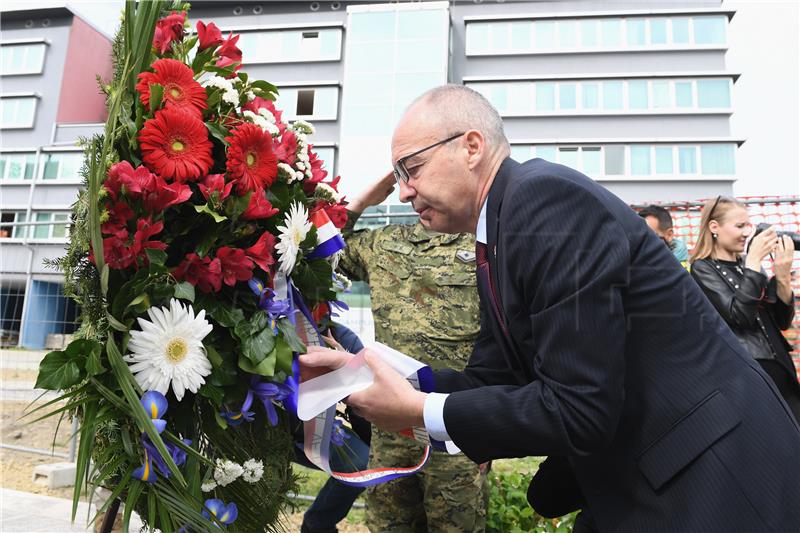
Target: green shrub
509	511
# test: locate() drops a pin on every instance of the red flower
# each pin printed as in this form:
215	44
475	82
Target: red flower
337	213
144	230
320	311
229	49
123	178
214	188
286	147
260	103
317	173
236	266
261	252
168	29
259	207
180	88
118	216
117	252
230	54
209	36
251	161
157	195
201	272
175	145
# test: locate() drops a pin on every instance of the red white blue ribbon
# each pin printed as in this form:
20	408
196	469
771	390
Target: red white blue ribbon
319	426
329	240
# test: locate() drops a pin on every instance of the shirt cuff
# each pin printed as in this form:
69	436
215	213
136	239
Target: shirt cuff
433	414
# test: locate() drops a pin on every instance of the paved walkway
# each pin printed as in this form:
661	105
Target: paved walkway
23	512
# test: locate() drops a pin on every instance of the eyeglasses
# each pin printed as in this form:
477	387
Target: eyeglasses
400	170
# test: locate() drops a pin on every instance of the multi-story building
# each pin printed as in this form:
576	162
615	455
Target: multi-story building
634	94
49	98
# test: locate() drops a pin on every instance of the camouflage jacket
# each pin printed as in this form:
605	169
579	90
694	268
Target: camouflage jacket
422	287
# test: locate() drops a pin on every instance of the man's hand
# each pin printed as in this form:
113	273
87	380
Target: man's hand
374	194
391	403
319	361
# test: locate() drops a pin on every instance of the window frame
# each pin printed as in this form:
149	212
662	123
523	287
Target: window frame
38	69
17	125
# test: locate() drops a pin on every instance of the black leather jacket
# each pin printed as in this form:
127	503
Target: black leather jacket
750	305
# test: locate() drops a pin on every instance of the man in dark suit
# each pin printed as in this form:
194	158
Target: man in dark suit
596	348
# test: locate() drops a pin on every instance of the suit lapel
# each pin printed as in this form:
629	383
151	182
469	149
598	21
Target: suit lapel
496	194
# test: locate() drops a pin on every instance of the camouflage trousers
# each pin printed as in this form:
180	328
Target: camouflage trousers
449	495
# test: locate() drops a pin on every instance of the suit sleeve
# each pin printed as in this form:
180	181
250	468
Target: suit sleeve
739	308
568	258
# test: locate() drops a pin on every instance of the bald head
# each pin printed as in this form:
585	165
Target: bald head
449	109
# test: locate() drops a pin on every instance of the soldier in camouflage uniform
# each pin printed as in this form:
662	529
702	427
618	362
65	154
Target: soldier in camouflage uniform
425	304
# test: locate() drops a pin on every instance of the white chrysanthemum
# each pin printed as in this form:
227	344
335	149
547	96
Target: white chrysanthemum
231	96
292	234
208	486
226	472
217	81
326	192
251	96
169	350
342	282
253	470
303	127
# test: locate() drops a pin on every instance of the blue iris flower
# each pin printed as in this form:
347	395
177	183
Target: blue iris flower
266	300
268	392
153	460
225	514
338	434
235	418
155	404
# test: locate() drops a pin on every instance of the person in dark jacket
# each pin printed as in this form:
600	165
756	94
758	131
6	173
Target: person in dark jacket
755	307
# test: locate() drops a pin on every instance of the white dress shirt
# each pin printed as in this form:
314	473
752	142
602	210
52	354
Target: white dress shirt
433	410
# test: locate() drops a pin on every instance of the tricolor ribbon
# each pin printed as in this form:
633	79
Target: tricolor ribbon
329	240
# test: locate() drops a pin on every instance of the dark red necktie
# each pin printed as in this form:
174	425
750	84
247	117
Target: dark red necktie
485	281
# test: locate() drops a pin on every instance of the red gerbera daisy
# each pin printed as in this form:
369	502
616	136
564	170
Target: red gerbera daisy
251	160
180	88
175	145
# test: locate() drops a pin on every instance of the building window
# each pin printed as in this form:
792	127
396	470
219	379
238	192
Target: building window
17	166
16	232
594	34
709	30
62	165
637	96
57	230
317	103
289	46
713	93
717	159
637	160
17	112
22	59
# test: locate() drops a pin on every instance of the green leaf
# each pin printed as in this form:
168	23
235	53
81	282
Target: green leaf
283	356
236	205
265	368
116	324
220	421
205	208
156	96
58	370
259	346
201	59
94	365
156	257
257	323
184	291
213	393
290	335
218	132
266	88
134	492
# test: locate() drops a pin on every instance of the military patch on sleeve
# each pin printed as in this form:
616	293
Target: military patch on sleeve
466	256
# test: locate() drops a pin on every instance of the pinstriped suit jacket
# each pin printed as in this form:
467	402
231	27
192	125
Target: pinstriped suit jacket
618	363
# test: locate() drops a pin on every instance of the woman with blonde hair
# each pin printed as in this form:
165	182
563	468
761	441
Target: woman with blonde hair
756	308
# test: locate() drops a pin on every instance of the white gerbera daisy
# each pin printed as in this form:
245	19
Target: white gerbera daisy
292	234
169	350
